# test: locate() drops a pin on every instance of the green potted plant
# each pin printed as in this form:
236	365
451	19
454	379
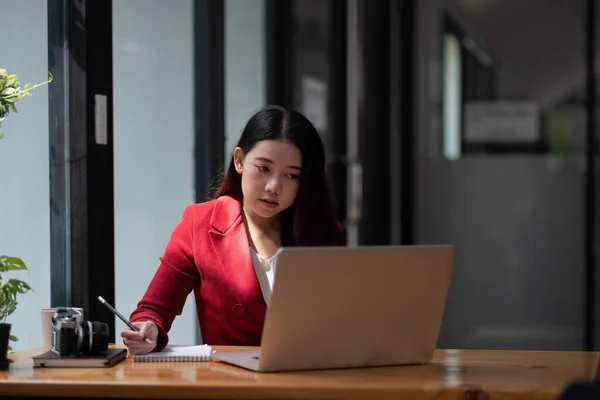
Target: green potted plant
9	290
10	94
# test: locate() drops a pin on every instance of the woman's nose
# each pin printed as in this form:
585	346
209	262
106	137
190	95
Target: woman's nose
273	186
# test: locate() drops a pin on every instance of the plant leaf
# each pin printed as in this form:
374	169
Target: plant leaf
11	288
11	264
18	286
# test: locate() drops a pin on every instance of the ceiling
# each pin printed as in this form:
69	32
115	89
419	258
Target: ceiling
537	46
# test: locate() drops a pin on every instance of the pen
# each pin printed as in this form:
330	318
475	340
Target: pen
118	314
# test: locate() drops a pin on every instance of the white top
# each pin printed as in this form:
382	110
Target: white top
265	272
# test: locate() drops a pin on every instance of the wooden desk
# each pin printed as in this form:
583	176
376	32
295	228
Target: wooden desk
465	375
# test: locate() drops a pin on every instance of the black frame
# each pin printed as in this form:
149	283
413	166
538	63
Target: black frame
337	167
374	122
591	261
81	183
391	49
209	99
402	124
209	49
279	29
59	139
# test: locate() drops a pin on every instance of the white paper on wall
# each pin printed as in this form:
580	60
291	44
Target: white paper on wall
314	102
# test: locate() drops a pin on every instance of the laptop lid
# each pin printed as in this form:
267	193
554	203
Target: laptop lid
354	307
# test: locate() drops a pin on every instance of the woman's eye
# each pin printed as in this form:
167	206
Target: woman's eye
293	176
262	169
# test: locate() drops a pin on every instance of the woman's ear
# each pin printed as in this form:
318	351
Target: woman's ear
238	159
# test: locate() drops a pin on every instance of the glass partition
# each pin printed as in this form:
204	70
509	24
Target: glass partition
24	164
153	143
501	129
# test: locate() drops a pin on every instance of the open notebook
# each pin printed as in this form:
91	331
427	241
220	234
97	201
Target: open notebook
177	354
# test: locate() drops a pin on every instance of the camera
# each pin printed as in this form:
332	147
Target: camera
72	335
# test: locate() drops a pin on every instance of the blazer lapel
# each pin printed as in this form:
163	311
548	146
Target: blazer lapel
232	248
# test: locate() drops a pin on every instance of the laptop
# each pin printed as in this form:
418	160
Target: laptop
347	307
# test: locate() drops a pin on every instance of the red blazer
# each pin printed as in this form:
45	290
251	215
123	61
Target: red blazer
208	253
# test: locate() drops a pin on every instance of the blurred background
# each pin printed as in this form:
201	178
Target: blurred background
464	122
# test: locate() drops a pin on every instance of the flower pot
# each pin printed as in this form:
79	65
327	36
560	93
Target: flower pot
4	339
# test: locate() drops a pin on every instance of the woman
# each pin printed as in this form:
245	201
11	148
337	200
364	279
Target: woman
274	194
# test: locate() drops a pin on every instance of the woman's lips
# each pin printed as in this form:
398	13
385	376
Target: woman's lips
269	203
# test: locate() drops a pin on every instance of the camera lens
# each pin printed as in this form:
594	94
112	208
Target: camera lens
94	337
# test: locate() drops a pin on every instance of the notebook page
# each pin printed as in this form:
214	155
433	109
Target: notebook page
186	350
178	353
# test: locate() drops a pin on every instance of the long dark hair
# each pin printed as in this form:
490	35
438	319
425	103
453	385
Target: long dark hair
310	220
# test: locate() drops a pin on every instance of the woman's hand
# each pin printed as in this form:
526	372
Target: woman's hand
141	342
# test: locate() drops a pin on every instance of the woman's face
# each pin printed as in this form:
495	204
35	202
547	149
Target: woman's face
270	176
